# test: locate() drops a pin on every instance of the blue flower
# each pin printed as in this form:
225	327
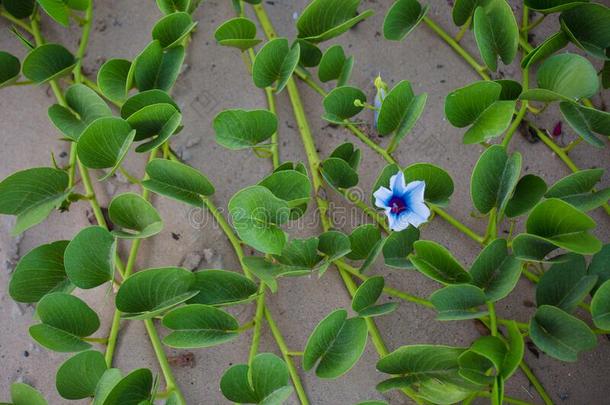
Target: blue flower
403	203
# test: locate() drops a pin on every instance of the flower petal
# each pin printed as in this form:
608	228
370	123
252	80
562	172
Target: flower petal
397	184
394	221
401	223
420	212
415	192
382	197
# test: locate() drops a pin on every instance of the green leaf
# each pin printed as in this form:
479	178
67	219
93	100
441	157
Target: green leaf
566	77
495	271
85	106
155	119
39	272
334	244
554	224
265	270
265	381
439	185
89	257
516	348
65	320
132	389
78	376
172	6
144	99
58	10
221	287
178	181
32	194
310	54
339	104
151	292
136	217
565	284
586	122
323	19
587	27
550	45
275	62
237	32
290	186
113	79
528	191
23	394
398	246
105	143
300	254
600	306
47	62
402	18
600	265
257	214
198	326
494	179
241	129
496	33
552	6
338	173
19	8
577	190
463	10
431	371
335	345
479	104
10	67
155	68
334	65
559	334
458	302
172	29
436	262
367	295
109	379
362	240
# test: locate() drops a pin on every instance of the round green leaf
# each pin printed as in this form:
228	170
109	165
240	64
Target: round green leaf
156	119
60	10
39	272
109	379
155	68
198	326
322	20
458	302
32	194
133	389
494	179
600	306
402	18
10	67
559	334
398	246
552	6
463	10
172	29
265	381
19	8
334	244
222	287
577	189
339	104
136	217
550	45
47	62
528	191
23	394
289	185
171	6
105	143
65	320
495	271
153	291
362	240
240	129
275	62
335	345
146	98
586	122
496	33
334	65
587	26
600	265
439	185
367	295
113	79
400	110
436	262
257	214
78	376
237	32
566	77
178	181
89	257
338	173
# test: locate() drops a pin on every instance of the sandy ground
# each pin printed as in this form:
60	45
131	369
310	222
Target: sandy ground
215	79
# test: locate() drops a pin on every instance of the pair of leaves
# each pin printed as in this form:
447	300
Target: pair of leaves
402	18
496	32
241	129
172	29
600	306
399	111
437	263
237	32
47	62
155	68
60	10
339	104
587	27
334	65
275	62
65	321
151	292
89	258
32	194
487	106
10	67
323	19
133	389
135	217
366	296
264	381
78	377
577	189
553	224
340	170
553	6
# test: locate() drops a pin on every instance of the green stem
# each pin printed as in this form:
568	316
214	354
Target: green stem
170	381
457	224
535	382
481	70
508	400
84	42
275	152
533	25
571	145
515	124
369	142
492	226
20	23
112	337
493	322
286	354
96	340
463	29
258	323
380	219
